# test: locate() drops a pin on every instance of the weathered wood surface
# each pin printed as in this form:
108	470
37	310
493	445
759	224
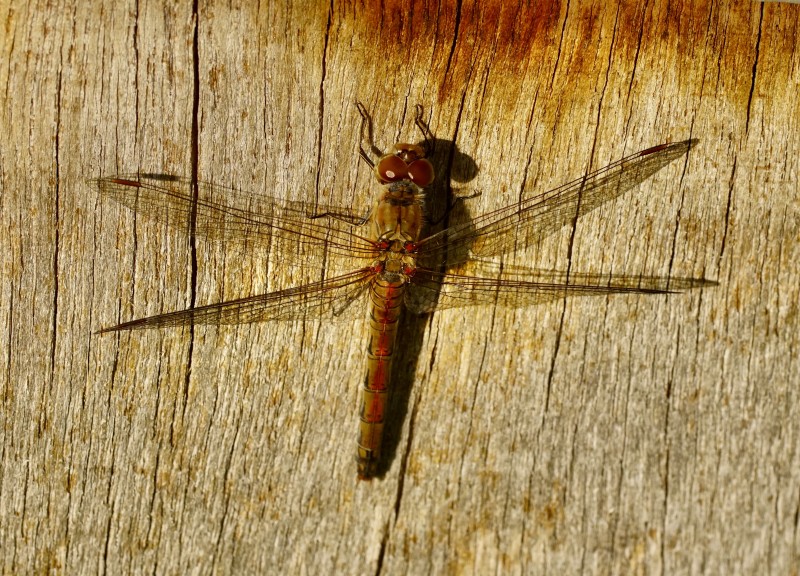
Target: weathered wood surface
613	435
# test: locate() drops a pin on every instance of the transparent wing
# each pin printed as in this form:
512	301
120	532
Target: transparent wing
225	214
532	219
325	299
520	286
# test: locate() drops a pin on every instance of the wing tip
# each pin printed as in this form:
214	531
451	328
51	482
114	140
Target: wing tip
682	145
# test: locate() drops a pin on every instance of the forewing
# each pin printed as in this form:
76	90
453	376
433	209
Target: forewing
327	299
527	222
225	214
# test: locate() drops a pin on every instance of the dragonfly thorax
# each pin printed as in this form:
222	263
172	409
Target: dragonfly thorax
397	219
396	263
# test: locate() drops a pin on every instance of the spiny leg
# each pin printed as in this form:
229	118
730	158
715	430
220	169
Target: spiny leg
429	142
367	137
366	127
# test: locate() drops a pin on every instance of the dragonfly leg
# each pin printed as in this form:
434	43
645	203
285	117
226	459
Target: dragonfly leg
429	142
367	144
451	204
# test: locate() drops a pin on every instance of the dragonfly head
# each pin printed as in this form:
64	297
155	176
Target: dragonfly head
407	162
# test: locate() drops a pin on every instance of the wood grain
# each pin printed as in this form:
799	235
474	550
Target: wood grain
616	434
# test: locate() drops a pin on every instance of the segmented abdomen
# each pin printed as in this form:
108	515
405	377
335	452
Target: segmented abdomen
386	299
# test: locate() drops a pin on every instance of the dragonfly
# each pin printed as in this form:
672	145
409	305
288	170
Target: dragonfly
389	257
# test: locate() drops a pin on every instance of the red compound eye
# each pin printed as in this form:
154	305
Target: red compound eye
421	172
391	168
